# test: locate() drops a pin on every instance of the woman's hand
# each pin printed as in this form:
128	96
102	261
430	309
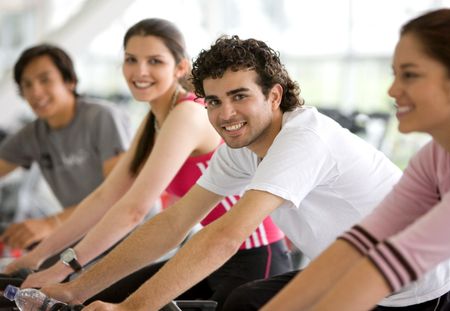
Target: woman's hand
53	275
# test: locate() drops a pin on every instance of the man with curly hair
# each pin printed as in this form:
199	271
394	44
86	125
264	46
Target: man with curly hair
312	176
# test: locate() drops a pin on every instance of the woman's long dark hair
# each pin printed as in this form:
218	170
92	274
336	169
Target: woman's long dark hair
174	41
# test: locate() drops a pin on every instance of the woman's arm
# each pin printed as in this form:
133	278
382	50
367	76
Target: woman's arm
146	244
316	279
110	163
359	289
364	285
185	131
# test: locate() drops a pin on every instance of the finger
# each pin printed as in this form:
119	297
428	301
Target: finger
31	242
12	231
25	239
8	232
10	268
15	241
34	280
19	238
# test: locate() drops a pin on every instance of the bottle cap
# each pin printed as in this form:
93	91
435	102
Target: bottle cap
10	292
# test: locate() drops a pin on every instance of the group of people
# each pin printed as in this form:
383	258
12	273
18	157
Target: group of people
256	165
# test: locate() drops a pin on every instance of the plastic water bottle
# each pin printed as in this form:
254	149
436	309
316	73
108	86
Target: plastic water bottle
29	299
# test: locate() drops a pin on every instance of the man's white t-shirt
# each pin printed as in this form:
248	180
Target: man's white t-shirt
329	177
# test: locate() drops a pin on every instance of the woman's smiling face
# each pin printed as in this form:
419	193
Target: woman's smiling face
149	67
421	89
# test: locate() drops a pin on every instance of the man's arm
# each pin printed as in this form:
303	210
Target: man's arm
205	252
6	167
84	217
157	236
26	233
317	279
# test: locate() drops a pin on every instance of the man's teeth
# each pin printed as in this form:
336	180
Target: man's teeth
234	127
404	109
142	84
40	104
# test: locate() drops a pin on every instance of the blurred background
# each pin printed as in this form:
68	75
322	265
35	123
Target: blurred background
339	51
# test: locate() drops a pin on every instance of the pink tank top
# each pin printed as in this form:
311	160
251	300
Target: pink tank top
266	233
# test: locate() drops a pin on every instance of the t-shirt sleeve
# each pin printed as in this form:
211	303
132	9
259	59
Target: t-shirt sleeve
229	171
297	162
16	147
113	133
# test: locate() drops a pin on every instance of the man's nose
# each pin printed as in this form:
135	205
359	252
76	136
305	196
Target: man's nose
227	111
33	91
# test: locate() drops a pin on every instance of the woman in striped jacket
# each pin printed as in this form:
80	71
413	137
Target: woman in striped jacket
407	236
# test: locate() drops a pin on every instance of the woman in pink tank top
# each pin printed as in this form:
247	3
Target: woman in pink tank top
169	153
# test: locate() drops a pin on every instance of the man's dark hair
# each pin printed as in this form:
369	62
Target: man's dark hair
58	56
236	54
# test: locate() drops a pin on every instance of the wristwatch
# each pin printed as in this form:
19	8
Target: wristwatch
69	258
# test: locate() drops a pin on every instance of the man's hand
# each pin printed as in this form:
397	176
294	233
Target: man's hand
23	234
103	306
62	292
53	275
26	261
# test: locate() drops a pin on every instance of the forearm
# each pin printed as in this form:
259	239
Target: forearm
316	279
184	270
63	215
80	221
360	289
148	243
6	167
102	237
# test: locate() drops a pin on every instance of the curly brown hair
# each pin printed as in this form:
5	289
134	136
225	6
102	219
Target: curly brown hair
236	54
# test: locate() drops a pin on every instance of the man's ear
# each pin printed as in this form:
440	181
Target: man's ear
182	68
275	96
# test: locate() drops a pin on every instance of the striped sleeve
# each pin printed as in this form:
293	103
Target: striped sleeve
384	255
362	240
405	257
391	263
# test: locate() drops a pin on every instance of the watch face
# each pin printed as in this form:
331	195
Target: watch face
68	255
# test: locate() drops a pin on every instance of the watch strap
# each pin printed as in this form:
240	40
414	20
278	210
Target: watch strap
75	265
